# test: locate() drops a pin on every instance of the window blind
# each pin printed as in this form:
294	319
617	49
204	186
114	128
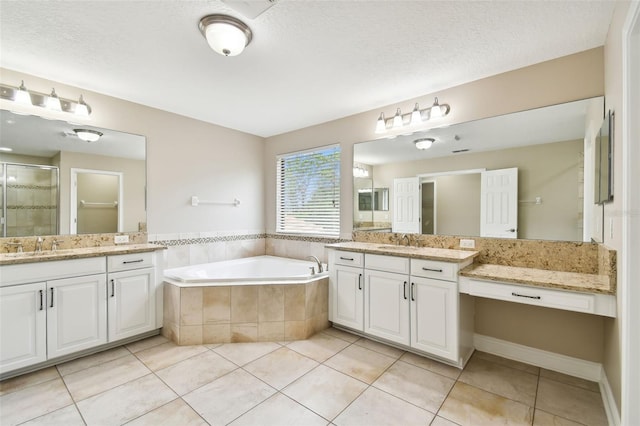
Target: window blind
309	192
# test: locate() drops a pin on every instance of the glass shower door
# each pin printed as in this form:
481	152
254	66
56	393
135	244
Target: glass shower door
30	200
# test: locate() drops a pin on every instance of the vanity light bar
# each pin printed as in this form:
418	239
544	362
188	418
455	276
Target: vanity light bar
50	101
413	118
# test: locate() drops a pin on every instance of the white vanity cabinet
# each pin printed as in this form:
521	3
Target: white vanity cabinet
23	326
346	296
386	298
131	295
434	308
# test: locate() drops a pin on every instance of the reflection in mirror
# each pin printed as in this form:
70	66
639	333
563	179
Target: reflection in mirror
39	203
603	189
551	148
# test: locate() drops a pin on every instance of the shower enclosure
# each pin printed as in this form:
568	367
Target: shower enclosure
29	200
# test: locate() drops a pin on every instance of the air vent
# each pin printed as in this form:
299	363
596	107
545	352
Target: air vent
250	9
457	151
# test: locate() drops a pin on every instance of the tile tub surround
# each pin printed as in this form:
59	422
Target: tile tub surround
249	313
578	257
286	383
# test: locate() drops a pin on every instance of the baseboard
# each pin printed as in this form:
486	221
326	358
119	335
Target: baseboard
552	361
610	406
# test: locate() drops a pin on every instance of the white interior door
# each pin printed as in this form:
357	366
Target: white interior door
406	205
499	203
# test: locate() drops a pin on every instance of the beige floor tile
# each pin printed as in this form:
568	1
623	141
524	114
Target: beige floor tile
126	402
166	354
441	421
242	353
279	410
33	401
341	334
325	391
175	413
375	407
228	397
514	384
507	362
94	380
20	382
431	365
147	343
212	345
196	371
570	380
415	385
468	405
361	363
570	402
542	418
380	347
320	347
92	360
280	367
67	416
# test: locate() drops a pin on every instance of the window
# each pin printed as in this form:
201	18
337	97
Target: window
309	192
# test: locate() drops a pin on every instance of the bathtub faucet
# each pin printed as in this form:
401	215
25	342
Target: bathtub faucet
318	262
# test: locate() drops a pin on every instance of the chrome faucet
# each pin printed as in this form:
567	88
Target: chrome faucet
38	248
54	244
406	237
318	262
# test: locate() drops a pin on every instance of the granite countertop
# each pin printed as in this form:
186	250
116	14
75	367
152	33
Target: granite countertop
573	281
76	253
429	253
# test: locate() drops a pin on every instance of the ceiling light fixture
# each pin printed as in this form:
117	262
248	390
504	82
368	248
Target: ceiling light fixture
414	119
225	34
21	96
359	171
88	135
424	143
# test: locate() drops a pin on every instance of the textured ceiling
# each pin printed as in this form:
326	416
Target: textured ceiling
309	61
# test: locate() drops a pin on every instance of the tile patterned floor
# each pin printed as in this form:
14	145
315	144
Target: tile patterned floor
333	378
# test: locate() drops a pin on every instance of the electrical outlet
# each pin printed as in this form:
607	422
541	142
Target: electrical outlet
121	239
467	243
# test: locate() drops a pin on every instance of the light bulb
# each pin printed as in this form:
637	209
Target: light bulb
397	119
381	125
436	111
53	103
416	117
22	96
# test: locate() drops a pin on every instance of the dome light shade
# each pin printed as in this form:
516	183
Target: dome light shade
424	143
88	135
22	95
381	124
225	34
53	102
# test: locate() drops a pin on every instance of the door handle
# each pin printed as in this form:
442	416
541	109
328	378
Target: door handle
432	270
404	290
413	299
510	230
360	282
133	261
51	304
113	288
41	300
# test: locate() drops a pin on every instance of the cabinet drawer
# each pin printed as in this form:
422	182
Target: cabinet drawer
434	269
558	299
44	271
349	258
127	262
378	262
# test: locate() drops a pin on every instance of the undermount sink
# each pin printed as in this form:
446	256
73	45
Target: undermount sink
390	247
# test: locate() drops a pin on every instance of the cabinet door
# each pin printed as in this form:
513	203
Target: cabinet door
76	314
434	317
386	305
347	296
23	321
132	303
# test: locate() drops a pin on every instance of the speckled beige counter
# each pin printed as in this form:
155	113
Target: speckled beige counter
574	281
429	253
76	253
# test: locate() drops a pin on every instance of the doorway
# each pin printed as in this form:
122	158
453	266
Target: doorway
96	201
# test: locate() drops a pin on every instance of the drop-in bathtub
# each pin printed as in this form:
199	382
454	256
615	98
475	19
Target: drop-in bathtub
262	298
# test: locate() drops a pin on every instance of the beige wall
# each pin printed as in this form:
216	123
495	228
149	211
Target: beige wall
97	188
185	157
612	212
569	78
550	171
133	177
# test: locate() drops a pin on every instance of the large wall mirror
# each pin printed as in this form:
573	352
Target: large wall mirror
525	175
53	182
